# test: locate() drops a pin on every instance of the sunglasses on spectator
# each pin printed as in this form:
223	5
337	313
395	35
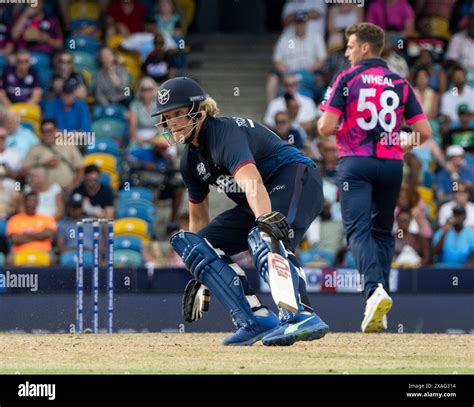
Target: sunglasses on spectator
291	84
146	89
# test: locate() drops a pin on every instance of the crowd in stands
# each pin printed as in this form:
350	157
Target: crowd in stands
429	43
75	69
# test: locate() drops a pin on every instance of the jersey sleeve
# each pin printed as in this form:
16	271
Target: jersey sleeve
197	190
232	147
335	99
413	108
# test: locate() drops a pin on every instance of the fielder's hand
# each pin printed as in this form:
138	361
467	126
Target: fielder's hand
196	300
274	224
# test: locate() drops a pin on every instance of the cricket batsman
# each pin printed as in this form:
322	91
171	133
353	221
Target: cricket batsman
278	193
365	107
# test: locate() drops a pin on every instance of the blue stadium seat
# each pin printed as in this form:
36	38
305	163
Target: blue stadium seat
110	129
112	111
82	43
125	242
136	193
3	62
40	60
127	258
69	258
106	179
84	60
107	146
3	227
470	159
349	260
316	256
136	209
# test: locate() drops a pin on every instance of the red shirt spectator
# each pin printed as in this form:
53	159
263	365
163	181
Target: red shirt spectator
127	15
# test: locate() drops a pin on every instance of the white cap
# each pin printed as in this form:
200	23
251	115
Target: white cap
454	151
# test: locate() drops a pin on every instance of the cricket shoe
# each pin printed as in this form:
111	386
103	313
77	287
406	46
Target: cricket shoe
248	335
304	327
377	307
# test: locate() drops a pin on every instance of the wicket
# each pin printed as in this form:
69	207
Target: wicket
96	223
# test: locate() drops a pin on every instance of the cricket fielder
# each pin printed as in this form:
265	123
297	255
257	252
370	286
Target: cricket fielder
278	193
365	106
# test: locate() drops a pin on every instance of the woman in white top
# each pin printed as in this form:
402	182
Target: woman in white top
50	198
340	17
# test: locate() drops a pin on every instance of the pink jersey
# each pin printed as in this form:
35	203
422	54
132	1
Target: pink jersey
371	101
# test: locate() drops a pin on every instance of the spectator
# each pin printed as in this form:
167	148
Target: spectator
429	98
437	76
141	123
66	236
457	170
454	243
461	47
68	112
160	64
460	93
19	138
64	72
125	17
36	31
10	161
307	111
97	198
167	20
411	249
113	80
154	168
341	16
63	164
410	200
20	82
460	198
305	56
425	40
50	198
395	16
462	134
316	11
30	230
326	233
395	62
6	44
286	132
330	158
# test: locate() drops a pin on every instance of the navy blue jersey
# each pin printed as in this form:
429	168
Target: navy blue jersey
225	145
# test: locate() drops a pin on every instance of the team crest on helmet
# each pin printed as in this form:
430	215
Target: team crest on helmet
163	96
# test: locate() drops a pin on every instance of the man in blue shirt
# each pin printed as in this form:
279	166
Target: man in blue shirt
70	113
454	243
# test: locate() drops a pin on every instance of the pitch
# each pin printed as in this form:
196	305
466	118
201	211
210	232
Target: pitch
339	353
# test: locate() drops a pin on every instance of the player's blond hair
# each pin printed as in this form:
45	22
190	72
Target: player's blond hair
369	33
209	105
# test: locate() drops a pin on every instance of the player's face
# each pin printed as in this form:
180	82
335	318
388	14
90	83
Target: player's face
354	52
179	123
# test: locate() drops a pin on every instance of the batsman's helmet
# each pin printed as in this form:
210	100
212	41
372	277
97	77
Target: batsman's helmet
179	92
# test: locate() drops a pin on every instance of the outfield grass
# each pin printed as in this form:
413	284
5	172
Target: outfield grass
202	353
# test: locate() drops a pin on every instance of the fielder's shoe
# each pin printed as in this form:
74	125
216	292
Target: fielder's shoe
305	327
247	336
377	307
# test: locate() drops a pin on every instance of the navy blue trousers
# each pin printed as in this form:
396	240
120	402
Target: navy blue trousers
295	190
369	189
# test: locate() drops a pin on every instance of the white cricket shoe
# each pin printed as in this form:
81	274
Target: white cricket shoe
376	310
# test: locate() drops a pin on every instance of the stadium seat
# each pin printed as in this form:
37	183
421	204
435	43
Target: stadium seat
32	258
84	10
106	162
349	260
3	227
29	113
316	257
132	243
114	41
82	43
40	60
133	65
107	146
127	258
3	62
2	259
136	193
132	227
69	259
84	60
106	179
136	209
112	111
110	129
